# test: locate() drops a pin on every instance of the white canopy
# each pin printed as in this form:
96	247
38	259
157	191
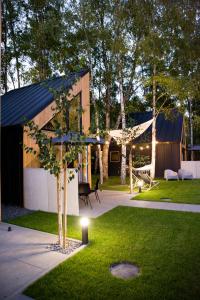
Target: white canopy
129	134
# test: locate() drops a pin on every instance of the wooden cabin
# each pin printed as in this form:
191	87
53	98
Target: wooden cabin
35	102
170	144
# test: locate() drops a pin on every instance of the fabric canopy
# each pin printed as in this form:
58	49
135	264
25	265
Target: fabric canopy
130	134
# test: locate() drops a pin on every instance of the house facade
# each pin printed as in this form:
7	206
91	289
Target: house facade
35	102
170	144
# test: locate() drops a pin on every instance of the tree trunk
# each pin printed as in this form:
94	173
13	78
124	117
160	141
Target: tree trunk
13	37
4	38
65	209
153	153
96	163
100	164
106	149
191	128
59	208
105	158
123	158
131	170
107	139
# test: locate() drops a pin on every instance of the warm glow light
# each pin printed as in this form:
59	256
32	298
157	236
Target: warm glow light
84	222
133	146
156	142
147	146
140	183
141	148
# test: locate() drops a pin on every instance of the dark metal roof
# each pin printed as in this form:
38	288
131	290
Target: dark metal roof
167	130
20	105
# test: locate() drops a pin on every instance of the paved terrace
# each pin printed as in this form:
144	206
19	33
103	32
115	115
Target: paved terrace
24	257
112	199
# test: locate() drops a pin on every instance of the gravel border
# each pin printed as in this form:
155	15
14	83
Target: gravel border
10	212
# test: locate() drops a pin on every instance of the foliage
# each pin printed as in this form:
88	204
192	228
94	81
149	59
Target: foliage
141	160
155	240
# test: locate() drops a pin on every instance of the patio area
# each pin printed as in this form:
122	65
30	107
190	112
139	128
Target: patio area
111	199
24	257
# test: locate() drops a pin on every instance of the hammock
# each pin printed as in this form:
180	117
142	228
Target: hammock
144	168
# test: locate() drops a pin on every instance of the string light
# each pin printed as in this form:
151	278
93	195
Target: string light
141	148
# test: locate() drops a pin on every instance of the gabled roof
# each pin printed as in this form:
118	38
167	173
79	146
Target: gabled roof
167	130
25	103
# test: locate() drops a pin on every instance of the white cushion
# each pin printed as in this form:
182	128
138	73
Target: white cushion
169	174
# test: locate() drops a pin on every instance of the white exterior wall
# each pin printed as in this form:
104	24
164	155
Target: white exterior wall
192	166
40	191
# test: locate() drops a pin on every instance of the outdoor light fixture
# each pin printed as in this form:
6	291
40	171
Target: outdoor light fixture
133	146
140	185
147	146
84	224
141	148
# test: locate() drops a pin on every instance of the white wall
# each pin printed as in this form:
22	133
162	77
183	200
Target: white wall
40	191
192	166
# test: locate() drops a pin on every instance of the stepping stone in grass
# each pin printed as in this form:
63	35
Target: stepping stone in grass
124	270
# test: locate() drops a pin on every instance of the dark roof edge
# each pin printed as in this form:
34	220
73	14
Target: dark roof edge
85	71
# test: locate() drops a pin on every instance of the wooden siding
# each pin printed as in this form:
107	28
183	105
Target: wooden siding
82	87
168	156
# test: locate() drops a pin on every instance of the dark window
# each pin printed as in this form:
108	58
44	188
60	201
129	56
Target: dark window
114	156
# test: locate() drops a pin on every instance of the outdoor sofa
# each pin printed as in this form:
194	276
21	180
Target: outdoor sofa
184	174
169	174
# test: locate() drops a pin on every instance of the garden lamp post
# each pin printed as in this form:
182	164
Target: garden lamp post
140	185
84	224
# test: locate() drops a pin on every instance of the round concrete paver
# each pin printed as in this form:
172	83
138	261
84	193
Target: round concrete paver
124	270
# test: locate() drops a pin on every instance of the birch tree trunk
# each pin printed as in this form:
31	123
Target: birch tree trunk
107	139
131	170
153	153
59	209
97	125
123	148
191	127
105	158
65	209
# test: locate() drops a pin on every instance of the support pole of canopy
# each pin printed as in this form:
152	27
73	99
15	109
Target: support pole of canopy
131	170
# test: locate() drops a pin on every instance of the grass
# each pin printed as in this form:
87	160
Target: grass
164	244
187	191
113	184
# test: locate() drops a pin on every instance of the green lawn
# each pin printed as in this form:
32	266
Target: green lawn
164	244
187	191
113	184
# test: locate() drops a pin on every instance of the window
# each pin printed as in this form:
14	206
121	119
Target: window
114	156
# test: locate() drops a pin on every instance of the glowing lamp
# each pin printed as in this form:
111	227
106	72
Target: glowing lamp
84	223
140	185
147	146
141	148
